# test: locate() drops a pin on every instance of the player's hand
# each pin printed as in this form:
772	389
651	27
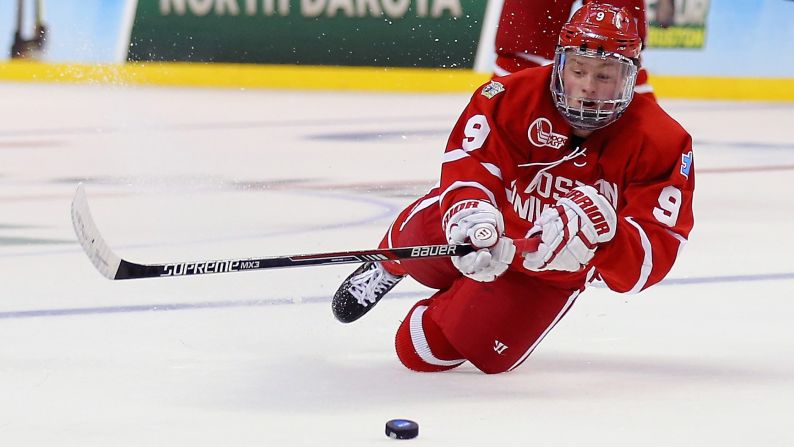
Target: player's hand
479	223
571	231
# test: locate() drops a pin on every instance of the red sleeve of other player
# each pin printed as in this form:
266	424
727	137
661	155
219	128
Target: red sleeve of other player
532	27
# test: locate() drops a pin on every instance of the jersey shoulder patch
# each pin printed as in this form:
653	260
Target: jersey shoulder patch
492	89
686	164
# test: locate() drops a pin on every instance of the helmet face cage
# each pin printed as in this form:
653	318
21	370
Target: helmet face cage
592	89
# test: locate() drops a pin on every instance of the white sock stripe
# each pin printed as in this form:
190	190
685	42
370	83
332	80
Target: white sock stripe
420	341
647	261
564	309
419	207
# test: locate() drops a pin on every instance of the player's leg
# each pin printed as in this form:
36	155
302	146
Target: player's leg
528	32
418	224
420	344
495	326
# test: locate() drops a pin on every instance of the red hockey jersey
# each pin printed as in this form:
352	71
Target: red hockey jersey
512	147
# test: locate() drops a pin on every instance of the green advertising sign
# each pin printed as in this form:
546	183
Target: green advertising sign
395	33
677	23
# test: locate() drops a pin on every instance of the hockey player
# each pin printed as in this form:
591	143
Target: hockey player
528	30
563	153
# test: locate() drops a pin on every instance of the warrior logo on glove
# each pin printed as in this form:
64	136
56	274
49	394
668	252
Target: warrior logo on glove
481	224
457	208
586	204
483	233
571	231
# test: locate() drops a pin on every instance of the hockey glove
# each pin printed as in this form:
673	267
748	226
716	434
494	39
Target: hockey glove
481	224
571	231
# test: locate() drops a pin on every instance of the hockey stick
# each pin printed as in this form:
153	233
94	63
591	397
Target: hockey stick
113	267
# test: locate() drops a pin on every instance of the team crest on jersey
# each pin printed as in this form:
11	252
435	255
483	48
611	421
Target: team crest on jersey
492	89
541	134
686	164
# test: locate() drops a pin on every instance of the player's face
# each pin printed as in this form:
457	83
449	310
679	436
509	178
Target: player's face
591	89
591	78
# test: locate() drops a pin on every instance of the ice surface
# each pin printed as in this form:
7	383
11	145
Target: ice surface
256	359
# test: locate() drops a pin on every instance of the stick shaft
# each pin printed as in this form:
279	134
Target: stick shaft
114	267
130	270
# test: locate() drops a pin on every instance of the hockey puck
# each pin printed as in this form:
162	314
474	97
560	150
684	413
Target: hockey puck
402	429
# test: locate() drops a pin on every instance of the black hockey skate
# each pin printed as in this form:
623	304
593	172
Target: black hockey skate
361	291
